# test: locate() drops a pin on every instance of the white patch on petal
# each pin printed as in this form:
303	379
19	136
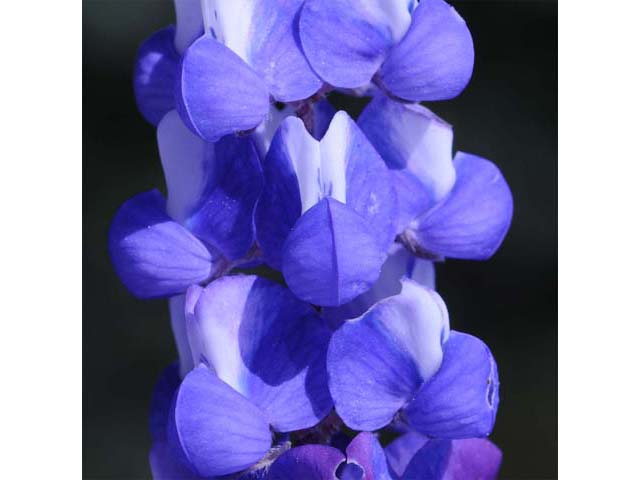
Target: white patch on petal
213	335
418	318
183	156
264	133
394	14
231	22
334	148
304	152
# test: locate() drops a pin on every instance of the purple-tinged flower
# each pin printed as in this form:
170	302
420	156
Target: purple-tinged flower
158	60
415	457
363	459
399	264
165	462
261	355
326	215
400	363
249	54
458	208
414	51
161	248
223	65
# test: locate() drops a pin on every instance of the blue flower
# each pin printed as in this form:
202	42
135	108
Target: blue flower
399	264
363	459
261	367
399	363
326	215
414	51
415	457
160	248
458	208
223	65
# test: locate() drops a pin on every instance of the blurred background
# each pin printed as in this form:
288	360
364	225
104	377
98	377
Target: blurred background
507	114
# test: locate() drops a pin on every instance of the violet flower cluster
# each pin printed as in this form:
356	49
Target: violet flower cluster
309	376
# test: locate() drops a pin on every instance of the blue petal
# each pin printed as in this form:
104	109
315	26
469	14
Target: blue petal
474	218
267	345
153	255
280	204
400	452
161	401
276	53
323	113
165	465
212	188
331	255
461	399
215	429
308	462
346	41
217	93
365	451
154	75
413	139
224	216
455	460
179	329
300	171
369	190
189	23
265	35
399	264
377	362
434	60
431	462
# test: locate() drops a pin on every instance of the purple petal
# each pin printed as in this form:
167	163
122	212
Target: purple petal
377	362
212	188
224	216
179	329
189	24
308	462
434	60
276	53
461	399
300	171
399	264
154	75
347	41
331	255
369	190
161	401
400	452
216	430
265	35
431	461
413	139
217	92
165	465
456	460
474	218
280	204
474	458
322	116
365	451
153	255
267	345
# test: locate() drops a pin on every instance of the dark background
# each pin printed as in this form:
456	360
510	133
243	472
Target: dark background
507	114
